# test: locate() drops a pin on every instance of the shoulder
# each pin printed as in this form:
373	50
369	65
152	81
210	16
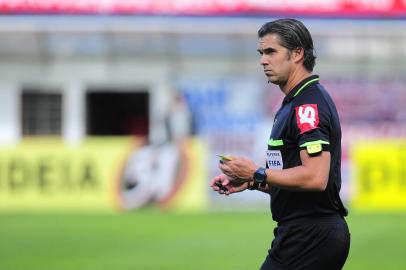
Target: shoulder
314	94
312	108
312	114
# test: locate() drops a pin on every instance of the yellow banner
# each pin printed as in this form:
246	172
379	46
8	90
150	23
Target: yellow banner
380	175
102	174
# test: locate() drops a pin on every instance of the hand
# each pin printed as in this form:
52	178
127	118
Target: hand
226	185
239	168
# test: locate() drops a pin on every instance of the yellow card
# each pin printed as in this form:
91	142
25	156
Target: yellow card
224	158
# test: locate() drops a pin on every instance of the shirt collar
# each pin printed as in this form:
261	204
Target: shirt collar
300	87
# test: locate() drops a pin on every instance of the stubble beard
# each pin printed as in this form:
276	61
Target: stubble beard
277	81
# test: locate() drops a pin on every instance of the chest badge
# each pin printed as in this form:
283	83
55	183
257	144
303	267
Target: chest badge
274	159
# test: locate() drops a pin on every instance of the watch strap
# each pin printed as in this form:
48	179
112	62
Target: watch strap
253	185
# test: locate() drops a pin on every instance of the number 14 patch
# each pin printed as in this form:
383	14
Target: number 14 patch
307	116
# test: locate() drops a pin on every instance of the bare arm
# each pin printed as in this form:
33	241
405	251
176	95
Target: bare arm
312	175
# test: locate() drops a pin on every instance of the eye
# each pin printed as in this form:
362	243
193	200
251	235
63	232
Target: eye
269	51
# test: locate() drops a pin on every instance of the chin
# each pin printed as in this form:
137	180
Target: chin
276	80
273	80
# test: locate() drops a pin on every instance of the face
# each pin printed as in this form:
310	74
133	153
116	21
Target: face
275	59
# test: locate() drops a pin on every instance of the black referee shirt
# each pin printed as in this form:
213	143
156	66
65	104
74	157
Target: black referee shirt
308	119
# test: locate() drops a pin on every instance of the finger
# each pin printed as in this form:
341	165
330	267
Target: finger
229	191
213	185
225	181
224	165
220	186
226	170
215	180
229	168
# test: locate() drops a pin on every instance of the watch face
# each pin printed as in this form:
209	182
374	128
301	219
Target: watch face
260	175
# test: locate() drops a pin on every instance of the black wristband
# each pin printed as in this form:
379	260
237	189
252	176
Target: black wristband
254	186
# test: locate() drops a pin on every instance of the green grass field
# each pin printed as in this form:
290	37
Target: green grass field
149	240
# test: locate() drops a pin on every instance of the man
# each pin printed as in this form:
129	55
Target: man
302	172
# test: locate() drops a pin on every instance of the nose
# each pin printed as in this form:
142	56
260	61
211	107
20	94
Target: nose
263	60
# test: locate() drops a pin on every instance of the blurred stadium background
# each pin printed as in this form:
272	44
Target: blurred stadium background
112	113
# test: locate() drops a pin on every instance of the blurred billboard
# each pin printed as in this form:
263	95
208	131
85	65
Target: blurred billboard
102	175
382	8
380	175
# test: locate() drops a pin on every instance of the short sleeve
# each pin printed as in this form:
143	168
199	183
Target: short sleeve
312	126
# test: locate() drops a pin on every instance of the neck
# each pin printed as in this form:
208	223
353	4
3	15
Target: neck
296	77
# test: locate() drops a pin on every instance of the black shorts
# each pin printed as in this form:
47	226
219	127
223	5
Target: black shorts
309	244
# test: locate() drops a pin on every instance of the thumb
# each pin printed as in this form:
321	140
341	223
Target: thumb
226	181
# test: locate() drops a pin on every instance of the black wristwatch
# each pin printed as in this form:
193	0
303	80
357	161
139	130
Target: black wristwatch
260	177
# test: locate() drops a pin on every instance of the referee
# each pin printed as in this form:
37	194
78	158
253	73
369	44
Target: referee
303	171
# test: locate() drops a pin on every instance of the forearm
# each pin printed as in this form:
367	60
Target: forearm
312	175
297	178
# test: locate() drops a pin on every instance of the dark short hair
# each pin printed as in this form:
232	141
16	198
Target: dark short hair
292	34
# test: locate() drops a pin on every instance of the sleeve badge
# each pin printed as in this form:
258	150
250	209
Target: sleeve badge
307	117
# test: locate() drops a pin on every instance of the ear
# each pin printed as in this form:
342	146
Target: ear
298	54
